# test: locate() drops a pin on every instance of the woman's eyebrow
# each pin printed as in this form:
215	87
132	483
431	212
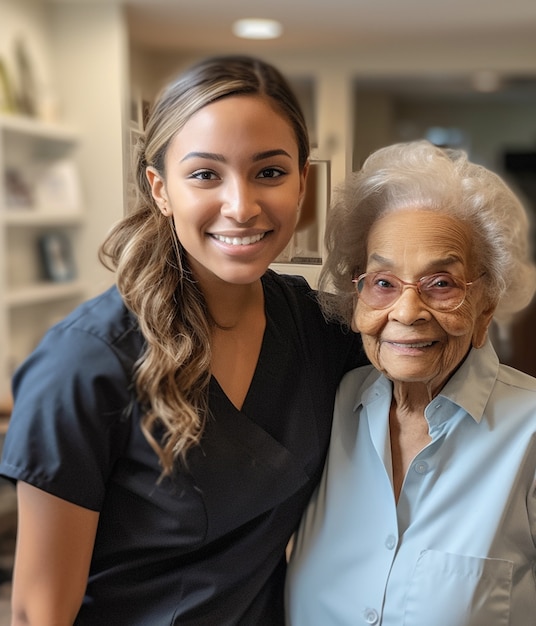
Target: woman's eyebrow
378	258
270	153
213	156
434	263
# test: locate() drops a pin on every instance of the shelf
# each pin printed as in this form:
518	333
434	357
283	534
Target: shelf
37	128
39	196
40	217
43	292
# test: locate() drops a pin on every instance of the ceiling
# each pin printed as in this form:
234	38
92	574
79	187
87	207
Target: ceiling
194	27
205	25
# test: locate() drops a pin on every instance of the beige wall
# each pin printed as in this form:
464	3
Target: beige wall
90	55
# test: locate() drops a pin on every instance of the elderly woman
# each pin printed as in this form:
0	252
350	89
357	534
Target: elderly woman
426	514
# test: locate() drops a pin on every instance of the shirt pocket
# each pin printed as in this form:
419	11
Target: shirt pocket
455	590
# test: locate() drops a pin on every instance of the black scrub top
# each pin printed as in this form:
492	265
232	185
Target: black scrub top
205	546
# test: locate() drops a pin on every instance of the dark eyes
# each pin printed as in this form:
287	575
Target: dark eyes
271	172
268	172
437	281
204	175
440	281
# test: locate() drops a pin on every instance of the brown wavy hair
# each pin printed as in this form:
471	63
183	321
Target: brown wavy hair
152	272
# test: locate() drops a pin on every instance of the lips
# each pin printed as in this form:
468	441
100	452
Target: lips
239	241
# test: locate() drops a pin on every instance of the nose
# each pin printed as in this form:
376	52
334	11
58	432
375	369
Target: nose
239	201
409	308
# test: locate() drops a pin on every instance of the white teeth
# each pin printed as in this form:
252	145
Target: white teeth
239	241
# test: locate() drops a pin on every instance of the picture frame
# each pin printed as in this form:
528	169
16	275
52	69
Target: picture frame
57	257
307	244
140	109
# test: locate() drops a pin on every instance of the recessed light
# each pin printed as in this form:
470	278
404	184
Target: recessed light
257	29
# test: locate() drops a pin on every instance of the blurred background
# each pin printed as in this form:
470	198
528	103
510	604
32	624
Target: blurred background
77	78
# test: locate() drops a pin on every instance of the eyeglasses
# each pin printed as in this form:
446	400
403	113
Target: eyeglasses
441	292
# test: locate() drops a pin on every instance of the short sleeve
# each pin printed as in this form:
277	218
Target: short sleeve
70	419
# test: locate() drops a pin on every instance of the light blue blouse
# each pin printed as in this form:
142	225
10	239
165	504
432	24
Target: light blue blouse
459	547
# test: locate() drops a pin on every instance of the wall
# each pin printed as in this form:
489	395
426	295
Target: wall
90	55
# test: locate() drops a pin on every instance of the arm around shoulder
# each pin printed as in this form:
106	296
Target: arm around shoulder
55	541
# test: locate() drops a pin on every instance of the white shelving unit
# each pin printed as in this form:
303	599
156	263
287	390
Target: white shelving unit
39	196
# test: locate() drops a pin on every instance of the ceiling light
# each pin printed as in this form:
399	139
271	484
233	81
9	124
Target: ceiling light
257	29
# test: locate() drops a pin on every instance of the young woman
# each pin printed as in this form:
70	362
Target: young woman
168	434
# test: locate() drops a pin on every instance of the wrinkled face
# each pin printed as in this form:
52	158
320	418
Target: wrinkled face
409	341
232	185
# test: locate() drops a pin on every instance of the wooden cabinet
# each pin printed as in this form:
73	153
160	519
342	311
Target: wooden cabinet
41	217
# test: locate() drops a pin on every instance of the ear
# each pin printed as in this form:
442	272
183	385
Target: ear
353	325
303	182
480	331
158	190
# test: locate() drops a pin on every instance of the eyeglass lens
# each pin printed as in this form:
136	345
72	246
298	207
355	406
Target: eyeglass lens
442	292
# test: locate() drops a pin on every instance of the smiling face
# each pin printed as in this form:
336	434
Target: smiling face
408	341
232	185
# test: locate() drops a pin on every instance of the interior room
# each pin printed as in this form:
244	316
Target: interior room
77	77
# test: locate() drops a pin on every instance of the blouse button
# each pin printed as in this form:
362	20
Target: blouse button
390	542
421	467
371	616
